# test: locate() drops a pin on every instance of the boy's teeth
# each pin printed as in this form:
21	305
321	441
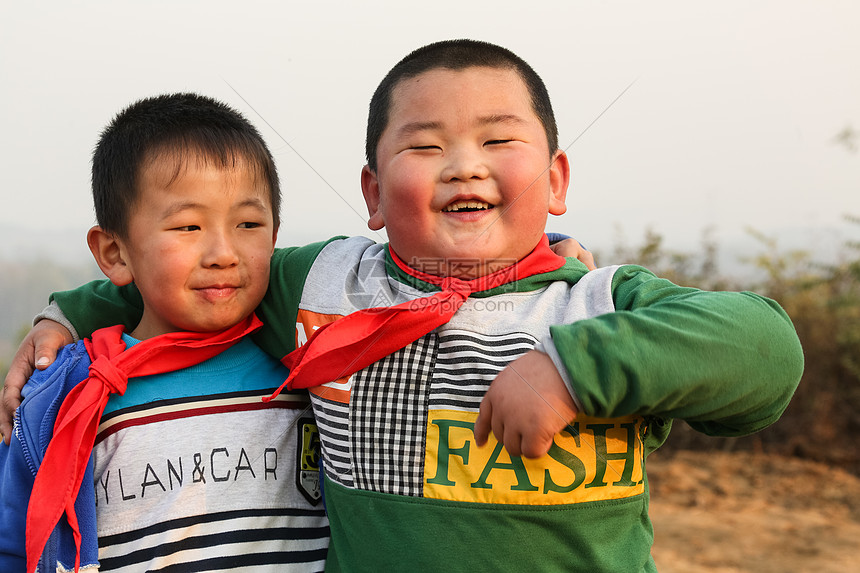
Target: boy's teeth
478	205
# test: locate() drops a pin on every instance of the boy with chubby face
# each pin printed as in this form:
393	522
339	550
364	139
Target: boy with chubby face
463	171
467	330
162	452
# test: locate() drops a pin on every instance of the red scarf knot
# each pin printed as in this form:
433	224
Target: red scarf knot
458	286
104	370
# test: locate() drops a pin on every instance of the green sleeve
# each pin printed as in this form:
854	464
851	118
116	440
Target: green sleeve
725	362
280	306
100	303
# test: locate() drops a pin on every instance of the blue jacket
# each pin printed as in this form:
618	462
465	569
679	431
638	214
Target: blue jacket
19	462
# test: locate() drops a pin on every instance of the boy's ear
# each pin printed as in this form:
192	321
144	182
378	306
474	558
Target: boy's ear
107	250
370	190
559	179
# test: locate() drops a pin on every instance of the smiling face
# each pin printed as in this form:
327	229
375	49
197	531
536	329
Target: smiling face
464	178
198	246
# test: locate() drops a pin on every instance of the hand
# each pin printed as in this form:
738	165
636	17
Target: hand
573	248
527	404
37	350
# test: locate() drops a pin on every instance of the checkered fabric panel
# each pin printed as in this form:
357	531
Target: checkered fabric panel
389	420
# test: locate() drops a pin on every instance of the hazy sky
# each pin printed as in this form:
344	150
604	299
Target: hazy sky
731	122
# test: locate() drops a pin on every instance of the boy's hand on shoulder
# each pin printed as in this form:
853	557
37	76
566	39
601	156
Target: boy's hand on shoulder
37	350
574	249
527	404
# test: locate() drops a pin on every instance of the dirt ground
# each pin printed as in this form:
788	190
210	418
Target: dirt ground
741	512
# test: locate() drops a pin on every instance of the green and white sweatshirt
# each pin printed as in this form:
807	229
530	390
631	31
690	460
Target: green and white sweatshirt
406	488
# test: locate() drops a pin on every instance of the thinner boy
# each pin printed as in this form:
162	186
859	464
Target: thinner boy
406	338
188	468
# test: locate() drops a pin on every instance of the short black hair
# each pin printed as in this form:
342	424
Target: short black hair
176	126
456	55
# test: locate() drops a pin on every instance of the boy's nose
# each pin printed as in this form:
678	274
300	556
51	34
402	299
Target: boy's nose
464	164
220	251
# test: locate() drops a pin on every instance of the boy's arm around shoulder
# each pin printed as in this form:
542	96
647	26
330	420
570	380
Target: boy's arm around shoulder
725	362
20	459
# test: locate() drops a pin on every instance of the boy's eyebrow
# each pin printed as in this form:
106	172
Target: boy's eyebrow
179	207
496	118
418	126
254	202
501	118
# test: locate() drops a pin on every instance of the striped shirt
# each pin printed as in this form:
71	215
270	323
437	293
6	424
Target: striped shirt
193	472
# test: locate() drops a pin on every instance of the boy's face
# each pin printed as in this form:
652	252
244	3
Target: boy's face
464	177
198	248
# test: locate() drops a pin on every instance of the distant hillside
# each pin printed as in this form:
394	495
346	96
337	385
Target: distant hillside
24	290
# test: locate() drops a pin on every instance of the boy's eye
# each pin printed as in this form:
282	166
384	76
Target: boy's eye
498	141
249	225
425	147
187	228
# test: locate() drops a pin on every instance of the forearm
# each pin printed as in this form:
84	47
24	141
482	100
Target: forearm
727	363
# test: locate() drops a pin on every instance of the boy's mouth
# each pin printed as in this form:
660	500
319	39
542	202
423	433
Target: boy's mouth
467	206
217	292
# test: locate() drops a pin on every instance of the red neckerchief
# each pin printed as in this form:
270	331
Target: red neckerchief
62	470
345	346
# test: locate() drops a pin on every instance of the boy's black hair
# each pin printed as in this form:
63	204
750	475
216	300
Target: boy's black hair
456	55
181	127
